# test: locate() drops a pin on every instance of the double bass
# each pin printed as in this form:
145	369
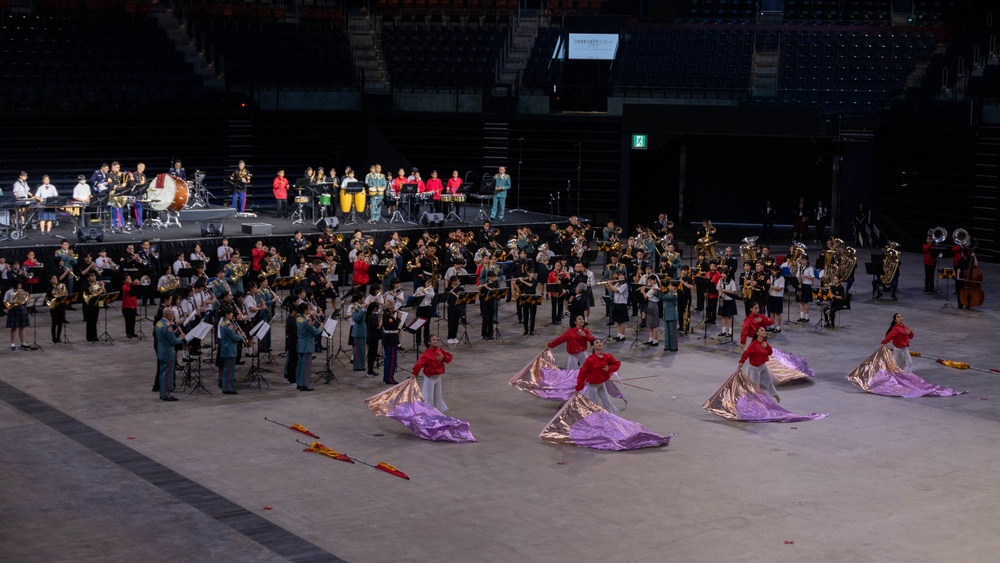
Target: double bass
972	294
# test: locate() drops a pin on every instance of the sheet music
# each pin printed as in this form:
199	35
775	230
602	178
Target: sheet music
200	331
417	324
402	317
261	330
329	326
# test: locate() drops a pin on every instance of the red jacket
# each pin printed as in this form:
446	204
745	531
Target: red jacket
434	185
280	187
592	371
129	301
397	184
429	362
899	335
930	259
454	184
750	326
576	341
757	353
713	292
256	257
360	272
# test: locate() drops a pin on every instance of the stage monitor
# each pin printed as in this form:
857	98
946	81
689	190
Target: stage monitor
593	46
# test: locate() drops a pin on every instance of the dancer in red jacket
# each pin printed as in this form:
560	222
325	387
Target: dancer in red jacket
900	335
576	339
432	361
758	352
594	372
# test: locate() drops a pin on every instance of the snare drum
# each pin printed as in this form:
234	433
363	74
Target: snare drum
302	199
325	199
446	198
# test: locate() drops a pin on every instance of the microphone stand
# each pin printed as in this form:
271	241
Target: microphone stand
520	152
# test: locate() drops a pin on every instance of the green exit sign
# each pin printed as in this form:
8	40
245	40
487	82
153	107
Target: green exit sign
639	142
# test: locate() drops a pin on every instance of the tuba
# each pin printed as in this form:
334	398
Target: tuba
961	237
938	234
749	249
19	298
890	265
707	244
144	280
57	292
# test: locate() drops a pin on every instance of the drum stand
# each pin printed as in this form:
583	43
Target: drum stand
352	217
397	214
322	213
298	215
452	213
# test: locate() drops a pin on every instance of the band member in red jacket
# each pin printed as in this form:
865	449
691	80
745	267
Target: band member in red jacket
900	335
752	322
930	264
758	352
432	361
576	339
594	372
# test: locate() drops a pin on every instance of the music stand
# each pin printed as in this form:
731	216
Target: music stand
406	194
496	295
465	298
65	300
192	372
705	284
35	301
256	373
483	215
103	302
327	374
947	274
875	269
609	302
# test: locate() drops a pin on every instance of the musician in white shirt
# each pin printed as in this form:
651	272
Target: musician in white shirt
21	189
46	216
224	252
81	191
776	297
804	295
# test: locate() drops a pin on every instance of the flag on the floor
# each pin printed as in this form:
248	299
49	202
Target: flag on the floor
405	403
581	422
543	379
739	399
880	374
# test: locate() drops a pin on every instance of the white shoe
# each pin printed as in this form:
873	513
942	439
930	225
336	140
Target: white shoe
777	329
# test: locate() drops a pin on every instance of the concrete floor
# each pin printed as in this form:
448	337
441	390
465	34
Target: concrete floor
880	479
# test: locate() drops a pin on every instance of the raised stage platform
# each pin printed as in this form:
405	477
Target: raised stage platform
244	231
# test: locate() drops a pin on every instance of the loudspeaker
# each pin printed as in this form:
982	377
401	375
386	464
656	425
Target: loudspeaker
332	222
211	229
433	220
91	234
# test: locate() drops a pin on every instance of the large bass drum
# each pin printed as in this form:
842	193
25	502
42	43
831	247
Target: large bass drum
167	193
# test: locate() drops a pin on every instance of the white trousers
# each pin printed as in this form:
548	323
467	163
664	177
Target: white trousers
431	389
593	392
903	359
574	361
762	378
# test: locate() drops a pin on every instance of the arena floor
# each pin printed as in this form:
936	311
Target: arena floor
95	468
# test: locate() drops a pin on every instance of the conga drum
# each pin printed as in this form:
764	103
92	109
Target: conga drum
359	201
345	201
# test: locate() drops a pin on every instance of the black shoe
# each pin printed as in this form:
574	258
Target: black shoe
532	333
391	382
525	333
371	374
169	399
306	389
229	393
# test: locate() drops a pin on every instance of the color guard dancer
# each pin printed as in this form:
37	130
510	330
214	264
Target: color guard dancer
576	339
900	335
594	372
758	352
432	362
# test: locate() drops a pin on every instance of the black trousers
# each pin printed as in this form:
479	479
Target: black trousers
425	331
711	308
929	270
528	313
372	352
557	310
90	315
58	317
454	316
291	358
130	315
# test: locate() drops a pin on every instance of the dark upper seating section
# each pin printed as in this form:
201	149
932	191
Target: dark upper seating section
855	71
821	12
80	60
443	54
446	6
264	51
683	59
537	71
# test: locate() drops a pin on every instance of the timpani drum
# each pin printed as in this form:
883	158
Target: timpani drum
167	193
325	199
446	198
458	198
345	201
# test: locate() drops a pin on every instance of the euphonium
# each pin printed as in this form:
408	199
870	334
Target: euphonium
798	250
169	284
890	265
19	298
58	291
846	261
938	234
